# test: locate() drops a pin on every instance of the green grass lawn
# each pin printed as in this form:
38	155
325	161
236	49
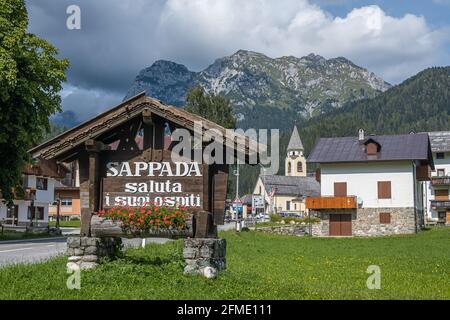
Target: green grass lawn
260	266
14	235
67	224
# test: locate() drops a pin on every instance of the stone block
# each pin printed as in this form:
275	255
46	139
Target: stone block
91	250
89	258
73	242
78	252
74	258
204	256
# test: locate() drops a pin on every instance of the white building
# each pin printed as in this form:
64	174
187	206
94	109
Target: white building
39	192
371	185
437	196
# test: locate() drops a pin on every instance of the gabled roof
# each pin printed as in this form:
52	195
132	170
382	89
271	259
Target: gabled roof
291	186
120	114
295	143
393	148
440	141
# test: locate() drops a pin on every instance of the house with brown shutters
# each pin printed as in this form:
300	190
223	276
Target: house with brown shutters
437	197
31	207
371	185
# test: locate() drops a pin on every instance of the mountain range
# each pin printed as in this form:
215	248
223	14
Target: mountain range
418	104
265	92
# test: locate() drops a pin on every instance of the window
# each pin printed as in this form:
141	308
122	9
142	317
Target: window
384	190
288	205
25	181
41	183
299	166
340	189
441	172
12	212
440	155
385	217
66	202
289	168
38	213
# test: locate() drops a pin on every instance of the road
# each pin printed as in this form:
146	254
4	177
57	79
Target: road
29	251
36	250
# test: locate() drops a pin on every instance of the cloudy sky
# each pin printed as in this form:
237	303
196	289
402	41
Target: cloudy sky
393	38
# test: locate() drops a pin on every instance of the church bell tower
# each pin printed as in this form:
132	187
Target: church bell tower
295	164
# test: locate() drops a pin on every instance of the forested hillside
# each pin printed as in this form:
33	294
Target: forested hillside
421	103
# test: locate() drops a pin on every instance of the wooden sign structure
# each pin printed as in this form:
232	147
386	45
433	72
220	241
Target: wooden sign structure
116	170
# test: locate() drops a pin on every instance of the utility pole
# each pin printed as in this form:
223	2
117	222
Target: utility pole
238	220
237	180
58	211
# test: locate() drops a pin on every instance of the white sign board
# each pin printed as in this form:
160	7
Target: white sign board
257	202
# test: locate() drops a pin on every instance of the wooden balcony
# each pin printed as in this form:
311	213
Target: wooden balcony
423	173
317	203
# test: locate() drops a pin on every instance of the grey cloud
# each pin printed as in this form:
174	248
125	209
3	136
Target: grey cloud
118	38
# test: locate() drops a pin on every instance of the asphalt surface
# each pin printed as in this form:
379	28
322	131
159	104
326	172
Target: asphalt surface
37	250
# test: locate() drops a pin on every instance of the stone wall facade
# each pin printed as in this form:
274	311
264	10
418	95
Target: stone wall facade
285	230
366	221
85	252
205	256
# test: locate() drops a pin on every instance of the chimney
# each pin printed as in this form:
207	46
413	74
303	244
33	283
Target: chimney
361	135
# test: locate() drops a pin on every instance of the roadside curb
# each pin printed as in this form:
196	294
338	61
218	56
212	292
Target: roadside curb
31	240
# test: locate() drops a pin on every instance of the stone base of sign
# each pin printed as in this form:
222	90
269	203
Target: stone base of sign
205	256
85	252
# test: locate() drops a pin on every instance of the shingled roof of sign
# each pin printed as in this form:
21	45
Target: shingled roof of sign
414	146
292	186
440	141
133	107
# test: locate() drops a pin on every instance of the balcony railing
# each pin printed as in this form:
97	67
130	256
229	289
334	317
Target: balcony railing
440	204
331	202
440	181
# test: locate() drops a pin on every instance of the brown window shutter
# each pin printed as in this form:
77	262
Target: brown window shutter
384	190
441	194
318	175
385	217
340	189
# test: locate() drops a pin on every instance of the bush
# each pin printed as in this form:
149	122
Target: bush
275	218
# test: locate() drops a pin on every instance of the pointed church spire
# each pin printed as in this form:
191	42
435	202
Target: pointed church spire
295	143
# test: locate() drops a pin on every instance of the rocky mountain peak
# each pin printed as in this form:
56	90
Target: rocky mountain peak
265	91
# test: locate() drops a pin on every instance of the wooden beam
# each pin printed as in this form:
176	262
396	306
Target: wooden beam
86	213
158	133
